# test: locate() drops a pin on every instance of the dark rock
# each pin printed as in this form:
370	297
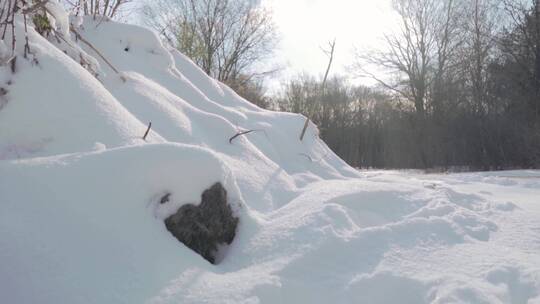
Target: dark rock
202	228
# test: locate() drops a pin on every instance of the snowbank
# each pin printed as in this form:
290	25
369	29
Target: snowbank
81	222
53	105
91	228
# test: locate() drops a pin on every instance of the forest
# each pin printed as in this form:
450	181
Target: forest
464	91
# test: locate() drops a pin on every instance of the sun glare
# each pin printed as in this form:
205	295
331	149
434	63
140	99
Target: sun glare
308	25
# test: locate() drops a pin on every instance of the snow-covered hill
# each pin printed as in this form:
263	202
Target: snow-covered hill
81	219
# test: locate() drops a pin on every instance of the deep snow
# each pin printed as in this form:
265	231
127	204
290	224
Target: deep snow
80	219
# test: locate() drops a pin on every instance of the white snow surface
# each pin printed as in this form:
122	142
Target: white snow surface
81	222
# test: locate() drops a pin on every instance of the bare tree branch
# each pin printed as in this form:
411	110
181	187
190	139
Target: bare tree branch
330	54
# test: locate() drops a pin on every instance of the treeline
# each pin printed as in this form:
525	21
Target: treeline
370	128
461	84
464	91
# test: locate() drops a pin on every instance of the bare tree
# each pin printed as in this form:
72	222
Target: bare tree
107	8
406	55
480	26
226	38
522	44
416	54
447	68
465	83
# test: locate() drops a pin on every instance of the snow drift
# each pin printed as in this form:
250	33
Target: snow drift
81	222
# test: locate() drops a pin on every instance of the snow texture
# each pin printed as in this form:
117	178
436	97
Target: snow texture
81	219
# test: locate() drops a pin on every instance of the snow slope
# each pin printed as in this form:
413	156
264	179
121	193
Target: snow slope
80	219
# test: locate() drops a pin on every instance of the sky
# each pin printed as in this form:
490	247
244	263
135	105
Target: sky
307	25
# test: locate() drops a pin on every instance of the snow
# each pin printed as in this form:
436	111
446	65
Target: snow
81	222
59	16
77	21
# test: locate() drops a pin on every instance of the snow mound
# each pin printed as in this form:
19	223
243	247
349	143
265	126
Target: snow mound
95	240
81	219
54	105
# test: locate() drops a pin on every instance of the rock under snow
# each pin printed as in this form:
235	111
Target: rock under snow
207	226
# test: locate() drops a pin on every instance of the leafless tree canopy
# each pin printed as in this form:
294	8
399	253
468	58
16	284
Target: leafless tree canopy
226	38
458	86
108	8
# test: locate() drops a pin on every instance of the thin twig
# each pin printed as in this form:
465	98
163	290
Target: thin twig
59	37
13	65
306	123
6	22
330	54
97	52
13	41
26	44
147	130
242	133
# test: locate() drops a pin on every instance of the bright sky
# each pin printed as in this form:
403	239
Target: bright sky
307	25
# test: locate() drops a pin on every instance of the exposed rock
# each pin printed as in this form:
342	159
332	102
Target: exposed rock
206	226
